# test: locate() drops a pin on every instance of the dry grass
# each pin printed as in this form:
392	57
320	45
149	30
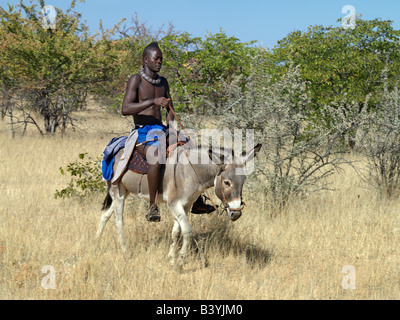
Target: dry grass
299	254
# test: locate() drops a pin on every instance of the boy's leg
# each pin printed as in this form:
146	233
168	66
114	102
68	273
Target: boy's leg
153	178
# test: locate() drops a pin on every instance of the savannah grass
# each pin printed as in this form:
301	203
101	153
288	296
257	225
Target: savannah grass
297	253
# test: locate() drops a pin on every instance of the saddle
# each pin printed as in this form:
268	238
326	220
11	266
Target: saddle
140	165
137	163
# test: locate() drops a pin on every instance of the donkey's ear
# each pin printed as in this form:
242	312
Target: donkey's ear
220	155
249	155
216	156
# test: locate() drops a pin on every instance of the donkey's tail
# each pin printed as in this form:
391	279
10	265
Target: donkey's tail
108	200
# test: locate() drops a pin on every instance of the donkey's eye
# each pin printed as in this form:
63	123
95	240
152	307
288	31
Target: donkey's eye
227	183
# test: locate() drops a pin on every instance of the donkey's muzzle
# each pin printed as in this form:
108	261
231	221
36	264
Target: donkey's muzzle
234	214
234	209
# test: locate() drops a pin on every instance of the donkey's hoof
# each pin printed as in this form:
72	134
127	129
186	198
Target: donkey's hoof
181	261
128	255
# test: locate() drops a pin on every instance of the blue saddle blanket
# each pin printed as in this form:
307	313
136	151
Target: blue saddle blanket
115	145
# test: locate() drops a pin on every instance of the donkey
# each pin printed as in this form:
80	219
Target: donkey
181	183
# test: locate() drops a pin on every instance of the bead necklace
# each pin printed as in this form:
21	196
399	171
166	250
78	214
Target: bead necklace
147	78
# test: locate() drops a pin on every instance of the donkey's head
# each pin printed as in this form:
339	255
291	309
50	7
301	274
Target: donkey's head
229	182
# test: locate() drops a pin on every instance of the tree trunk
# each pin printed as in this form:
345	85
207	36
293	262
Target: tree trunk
11	122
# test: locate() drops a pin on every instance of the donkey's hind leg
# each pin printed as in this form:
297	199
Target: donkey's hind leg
106	215
118	195
103	221
119	219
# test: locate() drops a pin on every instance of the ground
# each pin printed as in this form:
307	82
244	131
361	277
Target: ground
296	254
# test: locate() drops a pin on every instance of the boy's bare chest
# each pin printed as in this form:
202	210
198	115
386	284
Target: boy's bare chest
148	91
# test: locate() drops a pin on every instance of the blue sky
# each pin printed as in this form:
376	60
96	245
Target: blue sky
265	21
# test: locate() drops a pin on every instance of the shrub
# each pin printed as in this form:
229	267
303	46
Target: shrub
86	178
380	143
297	156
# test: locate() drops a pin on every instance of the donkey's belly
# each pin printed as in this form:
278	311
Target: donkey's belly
132	181
137	184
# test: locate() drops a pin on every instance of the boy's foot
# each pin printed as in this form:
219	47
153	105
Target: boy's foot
153	215
199	207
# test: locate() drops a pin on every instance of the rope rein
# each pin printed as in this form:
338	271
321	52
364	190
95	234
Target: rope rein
224	204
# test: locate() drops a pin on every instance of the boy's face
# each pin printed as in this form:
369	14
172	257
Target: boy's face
153	60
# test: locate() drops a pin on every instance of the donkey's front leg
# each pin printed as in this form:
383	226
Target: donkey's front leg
186	230
173	251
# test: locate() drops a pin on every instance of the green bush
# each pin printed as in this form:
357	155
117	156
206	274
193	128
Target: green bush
86	178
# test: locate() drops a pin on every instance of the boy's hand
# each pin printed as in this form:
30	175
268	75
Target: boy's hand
161	101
